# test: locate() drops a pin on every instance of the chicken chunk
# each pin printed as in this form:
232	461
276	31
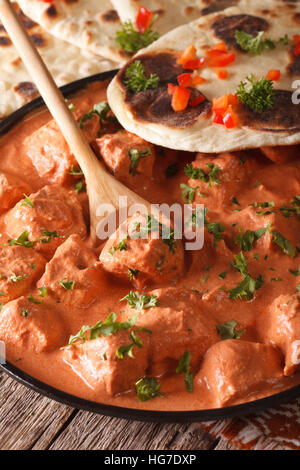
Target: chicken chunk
97	363
35	327
50	153
52	215
148	259
283	329
178	323
236	370
74	275
12	189
20	267
126	154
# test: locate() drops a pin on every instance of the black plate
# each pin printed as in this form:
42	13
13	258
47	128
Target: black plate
141	415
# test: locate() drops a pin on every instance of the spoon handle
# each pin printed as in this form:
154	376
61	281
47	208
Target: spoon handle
47	87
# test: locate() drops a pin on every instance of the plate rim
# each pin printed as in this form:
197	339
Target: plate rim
73	401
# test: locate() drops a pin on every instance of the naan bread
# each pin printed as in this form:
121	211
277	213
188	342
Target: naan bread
65	62
171	13
149	113
89	24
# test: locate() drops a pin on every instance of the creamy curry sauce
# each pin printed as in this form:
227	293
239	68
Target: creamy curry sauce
192	293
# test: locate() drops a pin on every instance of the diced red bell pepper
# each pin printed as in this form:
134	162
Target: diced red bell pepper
195	101
185	79
230	119
222	74
197	80
218	119
171	88
187	55
194	64
217	49
296	38
297	49
47	1
143	19
273	75
180	98
221	60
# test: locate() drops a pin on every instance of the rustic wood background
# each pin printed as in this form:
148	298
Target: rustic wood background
30	421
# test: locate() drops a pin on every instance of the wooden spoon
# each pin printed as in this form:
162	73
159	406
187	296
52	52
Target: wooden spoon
101	186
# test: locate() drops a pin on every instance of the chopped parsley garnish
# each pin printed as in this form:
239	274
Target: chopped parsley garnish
228	330
15	278
257	44
102	110
25	312
32	300
126	350
295	272
75	171
135	157
48	236
2	294
258	95
223	275
188	192
212	177
298	287
215	228
290	211
152	225
121	246
246	240
140	301
172	170
246	288
107	328
80	187
136	80
131	40
22	240
27	202
285	244
276	279
67	285
185	368
147	388
43	291
133	273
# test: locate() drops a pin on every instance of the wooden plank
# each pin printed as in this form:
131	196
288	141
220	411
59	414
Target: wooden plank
26	417
88	431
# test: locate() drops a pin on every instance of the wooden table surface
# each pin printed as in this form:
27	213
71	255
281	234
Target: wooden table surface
30	421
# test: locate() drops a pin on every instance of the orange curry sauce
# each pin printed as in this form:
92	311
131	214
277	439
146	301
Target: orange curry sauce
192	292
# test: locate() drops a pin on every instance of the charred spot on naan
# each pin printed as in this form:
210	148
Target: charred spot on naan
4	41
110	16
38	40
294	65
296	18
225	26
217	5
27	90
283	117
155	105
51	12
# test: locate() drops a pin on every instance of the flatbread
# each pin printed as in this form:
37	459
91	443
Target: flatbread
65	61
171	13
89	24
149	114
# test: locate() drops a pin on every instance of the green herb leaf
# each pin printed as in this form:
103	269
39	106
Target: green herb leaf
15	278
67	285
247	239
22	240
246	288
25	312
102	110
285	244
80	187
188	192
32	300
140	301
136	80
75	171
43	291
172	170
133	273
295	272
184	367
215	228
126	350
228	330
254	44
135	157
130	40
258	95
212	177
27	202
147	388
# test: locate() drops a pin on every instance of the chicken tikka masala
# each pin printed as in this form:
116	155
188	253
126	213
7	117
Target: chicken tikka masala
142	323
